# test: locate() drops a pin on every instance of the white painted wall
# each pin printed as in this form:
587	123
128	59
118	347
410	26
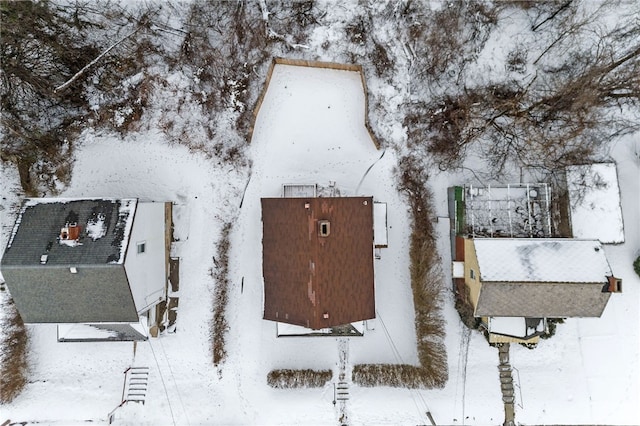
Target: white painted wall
146	271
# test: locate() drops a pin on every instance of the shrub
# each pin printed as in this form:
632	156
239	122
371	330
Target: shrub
426	283
636	266
465	311
13	355
551	325
398	375
220	325
285	379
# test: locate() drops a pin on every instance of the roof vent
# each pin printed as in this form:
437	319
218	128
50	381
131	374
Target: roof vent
44	258
324	228
73	270
325	315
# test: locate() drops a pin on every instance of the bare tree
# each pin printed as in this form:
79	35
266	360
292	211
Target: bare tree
47	45
564	113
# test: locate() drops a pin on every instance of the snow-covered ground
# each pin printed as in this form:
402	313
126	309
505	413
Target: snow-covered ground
310	130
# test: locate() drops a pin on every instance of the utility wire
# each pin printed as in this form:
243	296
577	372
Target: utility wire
399	359
163	383
174	381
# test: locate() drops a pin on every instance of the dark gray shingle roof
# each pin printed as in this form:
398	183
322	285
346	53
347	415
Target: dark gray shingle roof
52	294
38	228
79	283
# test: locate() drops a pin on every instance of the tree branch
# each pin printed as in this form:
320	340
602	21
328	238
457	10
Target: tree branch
79	74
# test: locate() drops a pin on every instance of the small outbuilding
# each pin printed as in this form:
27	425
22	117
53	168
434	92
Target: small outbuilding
594	202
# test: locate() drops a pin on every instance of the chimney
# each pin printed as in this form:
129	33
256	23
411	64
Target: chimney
324	228
71	231
615	285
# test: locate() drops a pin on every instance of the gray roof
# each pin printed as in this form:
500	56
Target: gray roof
40	221
82	283
550	300
52	294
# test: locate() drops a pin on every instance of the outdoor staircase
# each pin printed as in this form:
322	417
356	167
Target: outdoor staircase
135	384
506	385
342	391
342	388
134	389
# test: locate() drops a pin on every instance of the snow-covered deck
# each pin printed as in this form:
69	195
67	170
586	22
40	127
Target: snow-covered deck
516	326
515	210
298	331
380	224
299	190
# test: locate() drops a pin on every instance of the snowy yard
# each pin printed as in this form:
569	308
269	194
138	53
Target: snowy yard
310	130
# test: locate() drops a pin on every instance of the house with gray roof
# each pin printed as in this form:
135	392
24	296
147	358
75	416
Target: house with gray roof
515	284
96	267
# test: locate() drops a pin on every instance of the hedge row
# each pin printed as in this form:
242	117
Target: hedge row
286	379
427	287
220	274
13	356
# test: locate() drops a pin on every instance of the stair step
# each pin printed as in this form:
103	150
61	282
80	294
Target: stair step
506	379
136	382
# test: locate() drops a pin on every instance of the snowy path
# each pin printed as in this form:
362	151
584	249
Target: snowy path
344	378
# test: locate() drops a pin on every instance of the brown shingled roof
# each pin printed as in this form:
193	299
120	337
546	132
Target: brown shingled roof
311	280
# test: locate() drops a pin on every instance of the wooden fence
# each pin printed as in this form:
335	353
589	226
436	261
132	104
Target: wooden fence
316	64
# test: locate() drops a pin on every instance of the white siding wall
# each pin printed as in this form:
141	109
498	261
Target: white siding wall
146	271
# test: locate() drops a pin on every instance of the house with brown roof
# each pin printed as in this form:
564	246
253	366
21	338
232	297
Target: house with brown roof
318	255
